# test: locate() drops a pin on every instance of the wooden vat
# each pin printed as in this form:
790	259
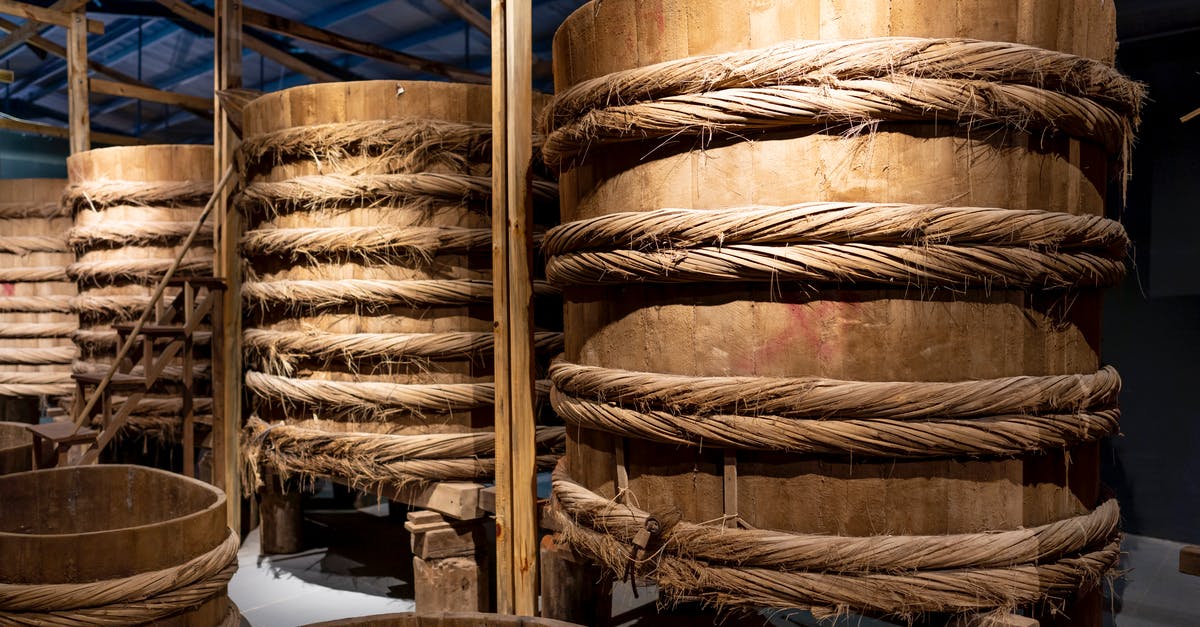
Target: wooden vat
16	448
35	316
133	208
847	331
111	524
367	277
448	619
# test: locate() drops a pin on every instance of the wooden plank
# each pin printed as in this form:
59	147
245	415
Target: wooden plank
47	15
30	28
299	30
455	499
78	117
1189	560
289	61
469	15
1189	116
6	76
227	372
114	88
516	472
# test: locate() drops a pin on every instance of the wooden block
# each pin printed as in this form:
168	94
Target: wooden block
432	536
282	519
453	584
573	590
456	499
1189	560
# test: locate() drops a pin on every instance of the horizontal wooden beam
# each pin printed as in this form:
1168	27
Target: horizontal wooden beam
469	15
289	61
30	28
6	76
48	130
320	36
46	15
149	94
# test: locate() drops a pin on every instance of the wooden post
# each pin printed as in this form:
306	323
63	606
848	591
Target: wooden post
282	518
77	83
573	590
450	563
516	474
226	344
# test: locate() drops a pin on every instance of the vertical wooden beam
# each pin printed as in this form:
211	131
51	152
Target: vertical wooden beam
512	244
77	83
227	370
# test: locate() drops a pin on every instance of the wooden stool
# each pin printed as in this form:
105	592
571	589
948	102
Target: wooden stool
52	442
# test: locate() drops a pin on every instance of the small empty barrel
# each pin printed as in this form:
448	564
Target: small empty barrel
114	544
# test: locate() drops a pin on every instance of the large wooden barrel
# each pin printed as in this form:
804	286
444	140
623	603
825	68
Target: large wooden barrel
120	544
16	448
35	318
445	619
679	337
368	281
133	208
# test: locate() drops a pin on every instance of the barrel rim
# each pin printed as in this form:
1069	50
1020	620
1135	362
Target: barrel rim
395	82
218	502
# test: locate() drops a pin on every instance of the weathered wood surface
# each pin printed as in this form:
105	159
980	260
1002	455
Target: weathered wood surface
447	619
16	448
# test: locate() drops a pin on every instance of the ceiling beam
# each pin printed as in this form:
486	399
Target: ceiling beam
469	15
49	130
30	27
149	94
46	16
286	59
320	36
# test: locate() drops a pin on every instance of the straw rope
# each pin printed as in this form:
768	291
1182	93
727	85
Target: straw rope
101	339
370	459
891	575
110	271
410	145
38	356
380	242
144	233
119	307
25	244
927	265
33	274
98	194
840	223
313	192
831	398
25	210
138	599
280	351
37	304
374	396
296	294
37	329
793	85
36	384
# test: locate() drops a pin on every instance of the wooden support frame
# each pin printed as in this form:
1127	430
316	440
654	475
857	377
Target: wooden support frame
227	371
45	15
6	76
30	28
150	94
79	119
469	15
512	244
48	130
298	30
289	61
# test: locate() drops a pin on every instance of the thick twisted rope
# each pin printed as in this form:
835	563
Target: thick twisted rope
99	194
37	304
298	294
25	244
380	242
25	210
38	356
840	223
36	383
138	599
108	271
144	233
120	307
33	274
804	83
375	396
280	351
16	330
892	575
369	459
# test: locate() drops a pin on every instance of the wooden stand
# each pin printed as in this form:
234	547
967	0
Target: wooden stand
573	590
282	521
451	565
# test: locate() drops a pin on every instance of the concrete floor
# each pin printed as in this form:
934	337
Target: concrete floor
362	566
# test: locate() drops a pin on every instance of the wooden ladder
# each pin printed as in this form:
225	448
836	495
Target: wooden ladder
171	338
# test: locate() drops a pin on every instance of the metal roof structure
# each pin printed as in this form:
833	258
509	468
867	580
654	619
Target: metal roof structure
144	39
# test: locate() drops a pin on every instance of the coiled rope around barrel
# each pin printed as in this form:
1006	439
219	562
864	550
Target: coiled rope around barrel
847	82
135	600
369	458
895	575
